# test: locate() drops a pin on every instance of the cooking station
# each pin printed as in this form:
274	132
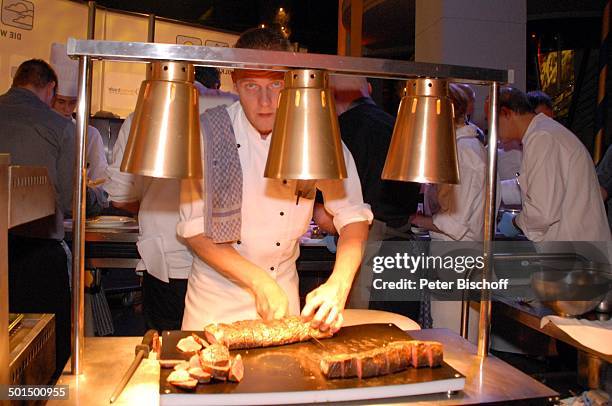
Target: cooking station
487	380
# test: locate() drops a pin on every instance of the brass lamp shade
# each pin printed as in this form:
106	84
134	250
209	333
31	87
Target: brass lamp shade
306	136
164	139
423	147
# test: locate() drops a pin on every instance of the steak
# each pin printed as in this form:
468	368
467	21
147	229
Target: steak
258	333
394	357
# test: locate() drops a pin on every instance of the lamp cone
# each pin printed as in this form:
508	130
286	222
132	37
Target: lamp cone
423	148
306	136
164	140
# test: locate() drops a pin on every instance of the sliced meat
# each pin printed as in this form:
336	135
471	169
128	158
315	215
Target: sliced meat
169	363
236	372
188	344
220	373
182	366
199	374
199	340
194	361
257	333
182	379
215	355
394	357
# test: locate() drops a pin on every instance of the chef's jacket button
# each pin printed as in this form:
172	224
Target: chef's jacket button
238	242
271	268
238	145
282	213
278	244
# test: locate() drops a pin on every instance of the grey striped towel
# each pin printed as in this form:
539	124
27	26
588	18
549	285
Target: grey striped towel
222	177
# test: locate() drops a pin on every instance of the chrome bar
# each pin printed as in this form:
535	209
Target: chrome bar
484	325
281	61
78	221
465	317
91	34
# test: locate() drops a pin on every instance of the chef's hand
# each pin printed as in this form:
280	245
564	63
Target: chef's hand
270	299
325	304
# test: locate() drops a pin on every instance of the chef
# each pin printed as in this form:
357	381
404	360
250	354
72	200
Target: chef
559	190
64	102
254	275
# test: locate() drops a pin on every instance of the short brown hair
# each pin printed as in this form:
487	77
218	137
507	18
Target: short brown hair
34	72
263	38
515	100
460	102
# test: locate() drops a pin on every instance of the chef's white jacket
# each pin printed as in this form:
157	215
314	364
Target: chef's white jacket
461	213
94	154
559	188
272	224
163	255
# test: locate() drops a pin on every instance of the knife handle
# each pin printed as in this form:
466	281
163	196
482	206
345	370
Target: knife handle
147	342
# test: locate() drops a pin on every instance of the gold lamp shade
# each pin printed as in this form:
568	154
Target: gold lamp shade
306	136
164	139
423	147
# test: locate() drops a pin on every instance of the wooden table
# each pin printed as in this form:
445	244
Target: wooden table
487	381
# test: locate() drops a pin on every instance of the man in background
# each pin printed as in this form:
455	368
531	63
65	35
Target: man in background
366	130
36	135
541	103
65	101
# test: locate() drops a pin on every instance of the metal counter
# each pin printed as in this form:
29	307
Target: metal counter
488	380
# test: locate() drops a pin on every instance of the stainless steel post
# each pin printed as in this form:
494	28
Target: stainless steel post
484	325
465	318
4	278
78	220
151	32
91	34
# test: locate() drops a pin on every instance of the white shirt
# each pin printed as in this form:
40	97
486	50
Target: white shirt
272	224
559	188
461	214
94	154
163	255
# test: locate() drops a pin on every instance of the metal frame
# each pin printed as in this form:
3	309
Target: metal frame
86	50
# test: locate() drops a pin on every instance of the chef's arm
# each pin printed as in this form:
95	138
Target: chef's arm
131	207
325	304
271	300
323	219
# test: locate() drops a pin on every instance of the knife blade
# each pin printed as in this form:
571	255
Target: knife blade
141	350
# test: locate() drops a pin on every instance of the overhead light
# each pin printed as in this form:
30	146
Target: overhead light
164	140
306	141
423	148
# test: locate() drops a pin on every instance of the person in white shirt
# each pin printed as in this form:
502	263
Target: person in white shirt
64	102
460	214
560	194
256	275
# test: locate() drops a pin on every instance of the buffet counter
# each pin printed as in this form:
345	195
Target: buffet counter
487	381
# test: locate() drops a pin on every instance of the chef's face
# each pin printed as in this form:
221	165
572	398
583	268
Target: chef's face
259	92
64	105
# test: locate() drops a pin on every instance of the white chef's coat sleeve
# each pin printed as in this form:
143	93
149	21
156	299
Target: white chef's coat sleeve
343	198
542	186
96	158
457	202
122	187
191	209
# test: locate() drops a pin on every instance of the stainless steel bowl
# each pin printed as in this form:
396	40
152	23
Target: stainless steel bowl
570	293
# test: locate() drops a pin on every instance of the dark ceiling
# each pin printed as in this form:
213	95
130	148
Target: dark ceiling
387	27
313	23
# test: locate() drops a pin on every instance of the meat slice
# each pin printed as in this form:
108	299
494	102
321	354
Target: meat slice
257	333
188	344
236	372
169	363
394	357
199	374
182	379
215	355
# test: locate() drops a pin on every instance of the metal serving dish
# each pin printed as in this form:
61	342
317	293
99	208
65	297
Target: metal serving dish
571	293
